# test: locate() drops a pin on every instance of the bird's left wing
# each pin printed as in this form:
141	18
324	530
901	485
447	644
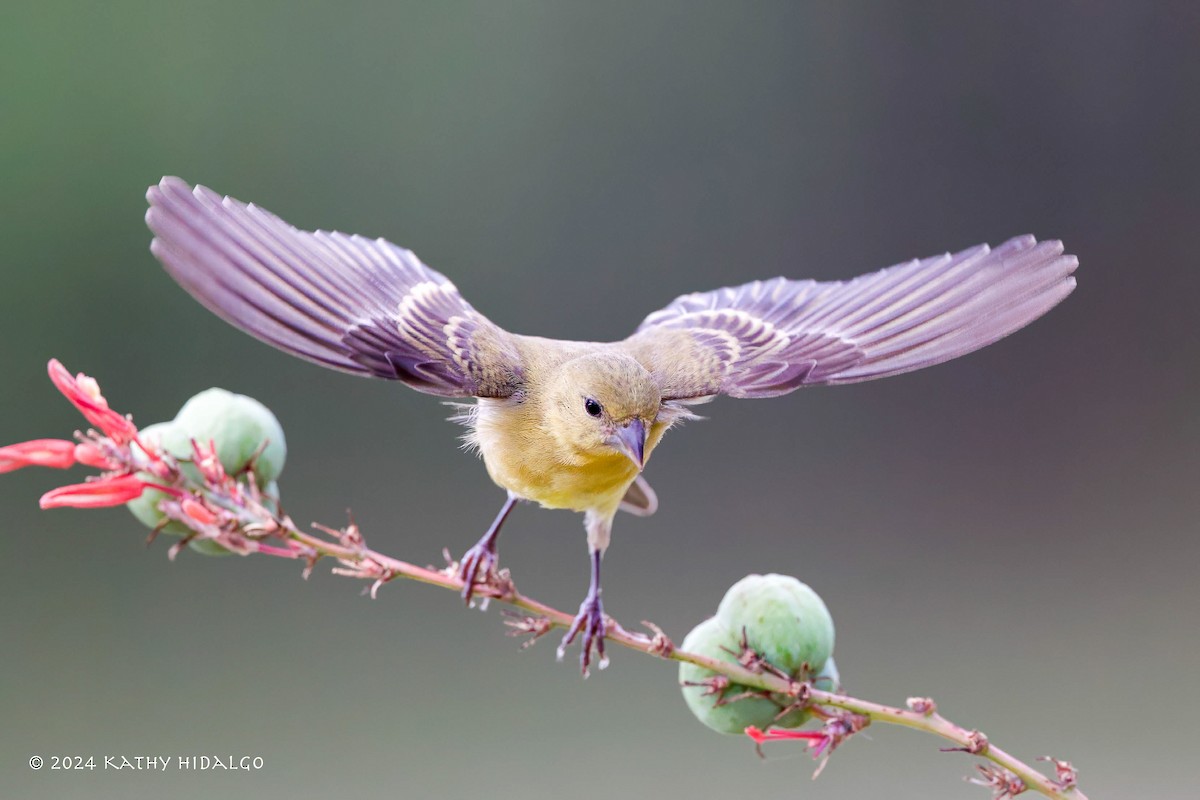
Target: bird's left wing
359	305
768	338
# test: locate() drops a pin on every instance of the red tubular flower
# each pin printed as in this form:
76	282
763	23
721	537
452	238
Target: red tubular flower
197	511
90	454
98	494
56	453
84	393
817	741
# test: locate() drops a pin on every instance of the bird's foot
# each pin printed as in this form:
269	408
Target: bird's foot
591	622
478	565
477	568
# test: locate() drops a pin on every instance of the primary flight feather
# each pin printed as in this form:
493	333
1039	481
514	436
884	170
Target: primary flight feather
571	424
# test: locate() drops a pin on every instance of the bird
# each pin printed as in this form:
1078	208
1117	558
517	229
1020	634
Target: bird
567	424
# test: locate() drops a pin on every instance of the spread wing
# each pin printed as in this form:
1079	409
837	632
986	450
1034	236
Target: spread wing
358	305
770	337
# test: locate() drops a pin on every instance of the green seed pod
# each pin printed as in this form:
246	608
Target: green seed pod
207	547
270	497
711	638
168	437
786	624
145	508
785	621
828	679
239	426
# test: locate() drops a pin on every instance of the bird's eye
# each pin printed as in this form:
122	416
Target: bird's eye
592	407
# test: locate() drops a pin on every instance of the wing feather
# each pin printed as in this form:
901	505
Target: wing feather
359	305
767	338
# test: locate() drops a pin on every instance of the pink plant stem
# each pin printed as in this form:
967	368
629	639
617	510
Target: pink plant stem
386	568
971	742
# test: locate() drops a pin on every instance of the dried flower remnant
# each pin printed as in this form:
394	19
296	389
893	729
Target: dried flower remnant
534	627
1064	771
1004	784
922	705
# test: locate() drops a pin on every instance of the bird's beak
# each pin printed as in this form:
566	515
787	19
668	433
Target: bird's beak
630	439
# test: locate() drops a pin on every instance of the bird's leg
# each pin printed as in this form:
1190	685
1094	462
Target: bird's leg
479	563
589	621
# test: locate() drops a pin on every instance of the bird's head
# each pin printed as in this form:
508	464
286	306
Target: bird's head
603	403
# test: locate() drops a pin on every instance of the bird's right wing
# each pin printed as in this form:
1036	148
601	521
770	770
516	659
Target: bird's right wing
354	304
770	337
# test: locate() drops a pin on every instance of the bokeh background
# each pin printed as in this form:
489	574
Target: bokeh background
1013	533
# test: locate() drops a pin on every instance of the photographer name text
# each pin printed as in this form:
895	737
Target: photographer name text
156	763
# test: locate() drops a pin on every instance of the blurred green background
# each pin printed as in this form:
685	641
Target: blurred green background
1013	533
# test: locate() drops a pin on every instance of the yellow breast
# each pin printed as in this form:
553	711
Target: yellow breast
525	459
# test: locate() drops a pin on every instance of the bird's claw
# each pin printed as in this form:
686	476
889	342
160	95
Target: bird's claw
591	622
477	568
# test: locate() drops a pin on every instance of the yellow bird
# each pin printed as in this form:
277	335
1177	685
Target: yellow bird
571	424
